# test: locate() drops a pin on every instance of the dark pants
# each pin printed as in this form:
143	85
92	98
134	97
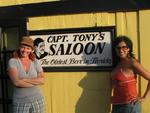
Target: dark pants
126	108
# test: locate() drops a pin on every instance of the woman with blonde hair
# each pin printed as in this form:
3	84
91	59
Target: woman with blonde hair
26	75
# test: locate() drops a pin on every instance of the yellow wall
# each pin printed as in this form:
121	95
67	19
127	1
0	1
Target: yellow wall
76	92
84	92
18	2
90	92
144	51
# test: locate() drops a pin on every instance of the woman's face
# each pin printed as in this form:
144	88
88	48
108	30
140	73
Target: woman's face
25	50
122	50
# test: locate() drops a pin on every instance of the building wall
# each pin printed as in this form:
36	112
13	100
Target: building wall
144	52
90	92
76	92
19	2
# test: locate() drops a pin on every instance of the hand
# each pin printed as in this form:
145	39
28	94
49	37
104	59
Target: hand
136	100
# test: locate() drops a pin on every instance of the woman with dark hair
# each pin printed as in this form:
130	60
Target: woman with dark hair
26	75
124	78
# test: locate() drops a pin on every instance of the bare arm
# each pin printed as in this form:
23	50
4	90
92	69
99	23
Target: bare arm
147	92
139	69
12	72
112	85
36	81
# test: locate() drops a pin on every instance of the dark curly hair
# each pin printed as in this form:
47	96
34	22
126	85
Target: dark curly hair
129	44
37	41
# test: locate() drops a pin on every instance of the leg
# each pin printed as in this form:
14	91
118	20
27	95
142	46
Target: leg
21	107
122	108
38	106
136	108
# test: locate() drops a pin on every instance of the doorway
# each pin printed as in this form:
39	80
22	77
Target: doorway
11	32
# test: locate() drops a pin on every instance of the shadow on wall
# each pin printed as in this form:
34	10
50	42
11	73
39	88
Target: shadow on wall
96	95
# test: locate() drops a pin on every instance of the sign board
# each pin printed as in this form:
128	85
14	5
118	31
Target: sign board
83	49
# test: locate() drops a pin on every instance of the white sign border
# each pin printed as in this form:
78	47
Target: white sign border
49	68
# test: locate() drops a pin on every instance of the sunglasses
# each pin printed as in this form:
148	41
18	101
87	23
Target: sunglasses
122	47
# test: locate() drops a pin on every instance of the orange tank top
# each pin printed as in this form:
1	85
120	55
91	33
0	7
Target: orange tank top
124	88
